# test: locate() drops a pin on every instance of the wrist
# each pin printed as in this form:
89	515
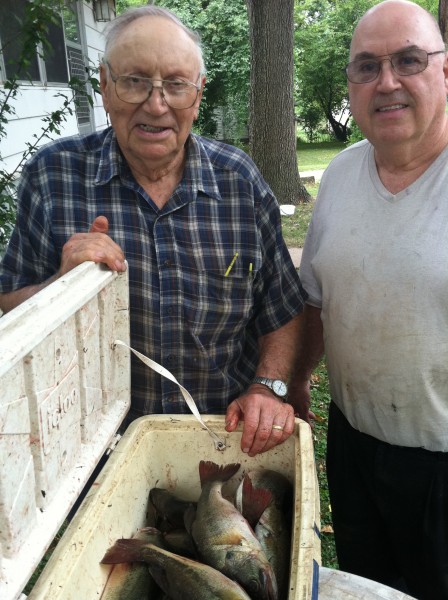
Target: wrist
277	387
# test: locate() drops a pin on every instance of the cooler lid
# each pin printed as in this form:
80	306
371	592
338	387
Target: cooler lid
64	391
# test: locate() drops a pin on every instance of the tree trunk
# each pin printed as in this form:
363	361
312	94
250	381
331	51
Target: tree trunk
272	133
443	19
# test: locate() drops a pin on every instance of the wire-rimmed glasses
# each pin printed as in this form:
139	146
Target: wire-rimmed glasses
176	93
407	62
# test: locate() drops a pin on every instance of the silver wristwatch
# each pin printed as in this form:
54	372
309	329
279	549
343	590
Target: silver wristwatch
277	386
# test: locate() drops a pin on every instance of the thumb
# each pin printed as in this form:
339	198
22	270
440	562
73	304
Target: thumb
99	225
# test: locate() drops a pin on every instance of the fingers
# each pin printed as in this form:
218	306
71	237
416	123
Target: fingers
267	422
99	225
234	415
96	245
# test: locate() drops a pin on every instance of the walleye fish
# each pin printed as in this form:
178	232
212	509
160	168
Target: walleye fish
133	581
273	526
179	577
224	538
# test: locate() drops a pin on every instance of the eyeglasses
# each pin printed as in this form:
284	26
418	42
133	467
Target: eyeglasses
408	62
176	93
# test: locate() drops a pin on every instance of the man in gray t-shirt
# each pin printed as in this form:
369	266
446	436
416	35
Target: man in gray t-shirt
375	266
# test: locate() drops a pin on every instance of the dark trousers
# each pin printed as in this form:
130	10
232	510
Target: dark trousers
390	510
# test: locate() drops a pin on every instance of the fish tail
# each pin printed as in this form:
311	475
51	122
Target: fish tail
255	501
210	471
124	550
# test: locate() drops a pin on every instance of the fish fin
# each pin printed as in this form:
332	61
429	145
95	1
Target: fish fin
255	501
210	471
124	550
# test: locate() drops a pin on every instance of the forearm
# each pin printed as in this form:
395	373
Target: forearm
310	348
278	351
10	300
309	353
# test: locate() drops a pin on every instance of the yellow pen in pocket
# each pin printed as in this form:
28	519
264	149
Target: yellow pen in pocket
229	268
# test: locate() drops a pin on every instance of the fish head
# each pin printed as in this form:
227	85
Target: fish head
256	575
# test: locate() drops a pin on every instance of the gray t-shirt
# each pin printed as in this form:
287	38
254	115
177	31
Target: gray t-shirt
377	264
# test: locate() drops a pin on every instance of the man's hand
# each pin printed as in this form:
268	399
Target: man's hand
95	245
300	398
267	420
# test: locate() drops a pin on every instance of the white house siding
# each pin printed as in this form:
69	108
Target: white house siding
95	48
36	101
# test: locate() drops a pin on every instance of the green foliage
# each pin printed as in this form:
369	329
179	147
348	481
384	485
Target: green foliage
355	135
37	18
323	35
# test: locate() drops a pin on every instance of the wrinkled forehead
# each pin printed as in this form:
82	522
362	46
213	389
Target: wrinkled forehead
155	42
394	26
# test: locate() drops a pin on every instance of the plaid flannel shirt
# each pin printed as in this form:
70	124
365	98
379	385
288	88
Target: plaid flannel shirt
186	314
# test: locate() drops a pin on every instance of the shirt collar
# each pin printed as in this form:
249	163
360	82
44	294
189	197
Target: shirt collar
110	159
199	174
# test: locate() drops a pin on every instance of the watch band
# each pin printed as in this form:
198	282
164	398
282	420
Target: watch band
277	386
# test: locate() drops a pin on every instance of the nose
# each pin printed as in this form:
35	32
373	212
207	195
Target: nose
387	77
155	100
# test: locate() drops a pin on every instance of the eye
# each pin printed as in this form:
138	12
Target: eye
133	81
176	86
408	59
367	66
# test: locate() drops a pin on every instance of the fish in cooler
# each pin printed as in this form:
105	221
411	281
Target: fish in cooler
132	580
274	526
224	538
179	577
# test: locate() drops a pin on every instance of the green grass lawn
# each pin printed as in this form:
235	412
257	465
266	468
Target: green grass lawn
294	227
310	157
314	157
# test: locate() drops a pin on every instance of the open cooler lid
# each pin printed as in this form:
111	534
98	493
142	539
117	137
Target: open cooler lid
64	391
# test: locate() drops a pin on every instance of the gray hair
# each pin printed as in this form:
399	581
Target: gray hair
118	25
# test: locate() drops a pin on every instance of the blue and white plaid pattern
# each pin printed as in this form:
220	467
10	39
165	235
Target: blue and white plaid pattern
185	314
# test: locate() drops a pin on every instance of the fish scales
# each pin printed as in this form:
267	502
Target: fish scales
224	538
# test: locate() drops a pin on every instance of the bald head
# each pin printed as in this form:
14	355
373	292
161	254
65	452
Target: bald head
116	28
400	14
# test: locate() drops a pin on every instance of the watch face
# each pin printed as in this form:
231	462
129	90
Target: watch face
279	388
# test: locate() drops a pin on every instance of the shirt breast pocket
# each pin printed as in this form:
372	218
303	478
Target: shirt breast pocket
218	308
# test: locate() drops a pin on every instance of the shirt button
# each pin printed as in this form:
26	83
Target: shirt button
170	358
168	263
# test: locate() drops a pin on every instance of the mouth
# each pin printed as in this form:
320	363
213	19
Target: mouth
392	107
151	129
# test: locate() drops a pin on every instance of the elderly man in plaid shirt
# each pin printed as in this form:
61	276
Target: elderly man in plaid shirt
214	295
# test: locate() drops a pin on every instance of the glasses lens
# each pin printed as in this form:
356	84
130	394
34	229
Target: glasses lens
177	94
410	62
363	71
132	89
